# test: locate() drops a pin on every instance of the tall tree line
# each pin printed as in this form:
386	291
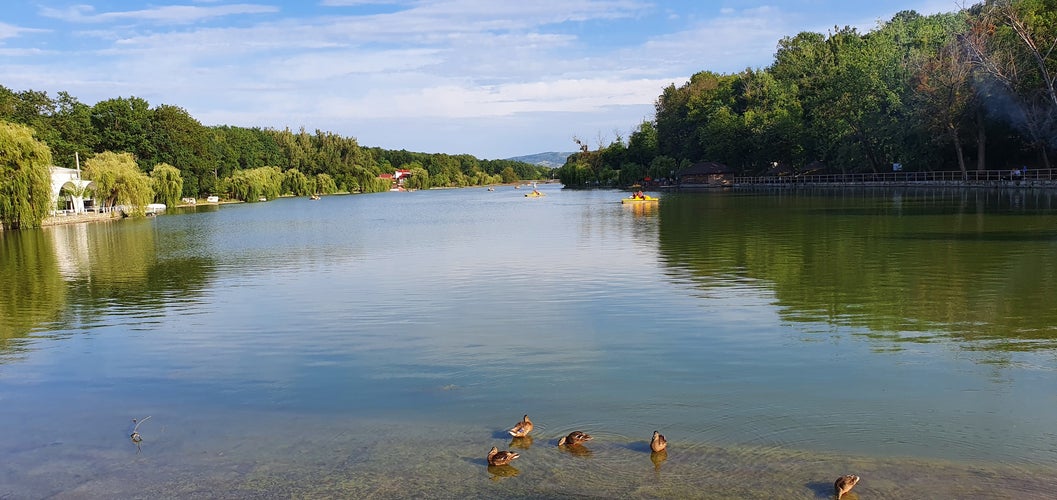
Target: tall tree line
973	89
210	158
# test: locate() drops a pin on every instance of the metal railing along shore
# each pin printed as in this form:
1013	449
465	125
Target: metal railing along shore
1039	177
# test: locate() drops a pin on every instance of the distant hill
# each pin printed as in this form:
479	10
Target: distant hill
551	159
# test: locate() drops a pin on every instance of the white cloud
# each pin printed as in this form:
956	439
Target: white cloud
725	44
170	14
12	31
356	3
463	101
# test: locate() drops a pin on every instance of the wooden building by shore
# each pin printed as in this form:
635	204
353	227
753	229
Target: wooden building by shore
705	174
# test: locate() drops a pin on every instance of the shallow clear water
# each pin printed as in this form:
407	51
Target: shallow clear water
376	346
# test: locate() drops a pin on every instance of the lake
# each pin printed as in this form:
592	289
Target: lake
376	346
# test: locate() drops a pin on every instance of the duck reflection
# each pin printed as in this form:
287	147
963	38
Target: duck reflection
498	472
577	450
522	443
658	458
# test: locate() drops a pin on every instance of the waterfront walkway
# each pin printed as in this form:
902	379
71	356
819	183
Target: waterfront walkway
1042	178
71	218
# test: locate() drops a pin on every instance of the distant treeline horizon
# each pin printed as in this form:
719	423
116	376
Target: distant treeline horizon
966	90
206	155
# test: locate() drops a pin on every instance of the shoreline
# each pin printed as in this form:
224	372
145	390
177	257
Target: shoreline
363	457
58	220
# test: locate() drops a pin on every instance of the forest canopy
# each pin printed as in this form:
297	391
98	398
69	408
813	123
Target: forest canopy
967	90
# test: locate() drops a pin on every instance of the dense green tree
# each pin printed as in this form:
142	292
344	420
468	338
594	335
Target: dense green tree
73	136
701	119
124	125
255	184
856	102
943	97
674	131
33	109
7	104
167	183
119	182
419	179
642	145
1013	44
25	179
181	141
296	183
662	167
508	175
773	119
325	184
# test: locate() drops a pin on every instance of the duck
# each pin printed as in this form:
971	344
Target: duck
496	457
844	484
522	428
658	443
575	438
135	436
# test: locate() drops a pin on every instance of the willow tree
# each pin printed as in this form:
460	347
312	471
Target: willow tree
168	184
296	183
119	181
419	179
25	179
255	183
325	184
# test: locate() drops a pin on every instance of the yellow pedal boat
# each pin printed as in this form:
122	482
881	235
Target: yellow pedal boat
645	199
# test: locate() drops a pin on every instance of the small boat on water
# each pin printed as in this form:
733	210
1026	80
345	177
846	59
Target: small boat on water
535	192
314	197
643	199
153	209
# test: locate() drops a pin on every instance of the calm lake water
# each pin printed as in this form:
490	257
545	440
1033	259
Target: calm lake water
376	346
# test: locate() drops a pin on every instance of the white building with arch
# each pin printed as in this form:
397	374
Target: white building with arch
68	181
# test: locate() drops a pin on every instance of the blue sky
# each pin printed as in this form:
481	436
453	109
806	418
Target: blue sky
492	78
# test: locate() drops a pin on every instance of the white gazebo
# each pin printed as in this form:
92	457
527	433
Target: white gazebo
75	186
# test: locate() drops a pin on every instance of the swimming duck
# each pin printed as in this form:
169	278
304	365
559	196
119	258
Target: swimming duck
135	436
574	438
844	484
658	442
496	457
522	428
